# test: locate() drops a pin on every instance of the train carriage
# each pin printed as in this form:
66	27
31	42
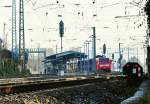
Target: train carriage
133	70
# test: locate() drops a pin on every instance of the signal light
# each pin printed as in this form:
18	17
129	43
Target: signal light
127	65
136	65
61	28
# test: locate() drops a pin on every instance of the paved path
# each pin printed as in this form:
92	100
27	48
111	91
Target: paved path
139	93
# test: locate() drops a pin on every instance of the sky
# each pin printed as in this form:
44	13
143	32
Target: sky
43	16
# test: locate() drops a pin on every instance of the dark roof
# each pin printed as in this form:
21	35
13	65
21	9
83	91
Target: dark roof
132	63
64	55
100	56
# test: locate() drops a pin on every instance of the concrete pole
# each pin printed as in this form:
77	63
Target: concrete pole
86	50
56	48
144	58
128	53
84	58
148	59
38	61
94	49
137	54
80	49
4	35
61	46
87	44
119	57
88	58
133	52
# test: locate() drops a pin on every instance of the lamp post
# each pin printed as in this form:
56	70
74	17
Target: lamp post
79	49
120	56
55	45
137	54
144	46
87	44
99	41
84	49
88	48
128	53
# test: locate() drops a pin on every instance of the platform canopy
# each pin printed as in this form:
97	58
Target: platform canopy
64	56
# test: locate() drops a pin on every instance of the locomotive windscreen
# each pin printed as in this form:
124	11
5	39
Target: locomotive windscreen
104	60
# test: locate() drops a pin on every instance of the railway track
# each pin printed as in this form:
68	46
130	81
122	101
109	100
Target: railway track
19	85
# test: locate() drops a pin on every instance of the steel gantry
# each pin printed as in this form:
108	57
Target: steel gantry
21	35
37	50
14	33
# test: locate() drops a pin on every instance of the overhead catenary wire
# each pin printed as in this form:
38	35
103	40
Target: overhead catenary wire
83	19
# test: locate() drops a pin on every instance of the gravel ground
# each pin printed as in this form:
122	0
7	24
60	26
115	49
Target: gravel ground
112	92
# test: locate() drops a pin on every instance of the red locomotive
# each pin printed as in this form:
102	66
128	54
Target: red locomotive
103	63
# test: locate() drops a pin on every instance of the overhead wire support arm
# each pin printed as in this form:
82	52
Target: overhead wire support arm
128	16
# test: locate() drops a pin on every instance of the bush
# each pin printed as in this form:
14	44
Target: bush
8	68
145	99
26	72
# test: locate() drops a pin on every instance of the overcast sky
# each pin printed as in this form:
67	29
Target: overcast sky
43	16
